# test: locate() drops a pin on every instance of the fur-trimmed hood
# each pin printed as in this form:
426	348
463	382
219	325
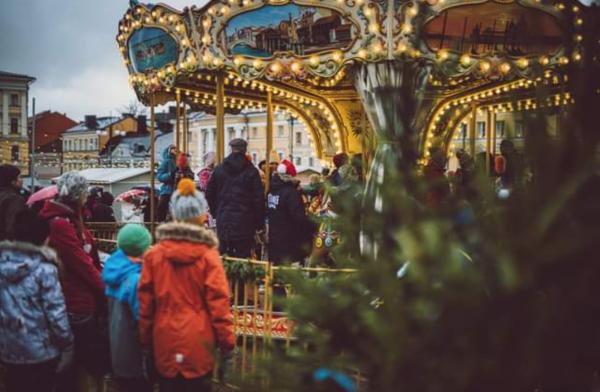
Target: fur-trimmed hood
184	243
180	231
19	259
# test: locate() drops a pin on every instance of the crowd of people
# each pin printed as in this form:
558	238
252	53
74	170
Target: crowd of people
151	313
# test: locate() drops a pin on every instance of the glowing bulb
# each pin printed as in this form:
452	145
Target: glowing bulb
337	56
362	53
406	28
402	47
275	67
314	60
544	60
522	63
465	60
257	64
373	28
504	68
442	54
576	56
295	67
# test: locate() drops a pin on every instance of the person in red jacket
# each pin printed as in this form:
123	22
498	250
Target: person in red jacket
184	297
81	280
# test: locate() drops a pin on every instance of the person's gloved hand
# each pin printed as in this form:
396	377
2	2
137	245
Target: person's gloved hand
66	359
148	369
225	363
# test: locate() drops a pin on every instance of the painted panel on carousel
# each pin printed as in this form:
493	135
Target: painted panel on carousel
151	48
301	30
488	28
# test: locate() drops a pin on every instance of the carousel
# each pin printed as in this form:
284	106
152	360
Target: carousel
391	80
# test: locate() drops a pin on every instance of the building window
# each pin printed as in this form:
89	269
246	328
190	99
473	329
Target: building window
298	161
481	129
518	129
254	157
280	130
500	130
14	100
86	145
14	153
254	132
281	155
14	125
311	161
298	138
231	132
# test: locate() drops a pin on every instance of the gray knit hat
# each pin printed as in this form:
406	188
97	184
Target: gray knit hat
187	203
71	186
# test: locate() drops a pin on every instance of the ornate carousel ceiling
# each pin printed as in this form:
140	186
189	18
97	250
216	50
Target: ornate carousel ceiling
305	53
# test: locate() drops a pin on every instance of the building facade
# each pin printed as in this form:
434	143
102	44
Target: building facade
290	138
49	128
14	140
83	143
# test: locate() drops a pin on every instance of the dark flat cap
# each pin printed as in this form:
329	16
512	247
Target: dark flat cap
239	144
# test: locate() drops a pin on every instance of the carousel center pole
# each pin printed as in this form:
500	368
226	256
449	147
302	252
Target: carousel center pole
220	117
152	162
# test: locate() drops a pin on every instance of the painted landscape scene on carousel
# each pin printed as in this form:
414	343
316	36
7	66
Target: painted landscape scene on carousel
301	30
151	48
492	27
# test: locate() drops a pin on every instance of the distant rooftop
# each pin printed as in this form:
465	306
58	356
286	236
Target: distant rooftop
102	123
10	75
110	175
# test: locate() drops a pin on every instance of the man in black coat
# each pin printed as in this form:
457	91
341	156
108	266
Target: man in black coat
11	202
235	196
290	229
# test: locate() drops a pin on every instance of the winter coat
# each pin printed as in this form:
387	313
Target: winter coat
180	174
235	196
290	229
165	173
203	178
184	301
11	203
34	327
81	280
121	276
103	213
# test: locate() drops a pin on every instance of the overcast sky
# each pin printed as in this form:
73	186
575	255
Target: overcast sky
69	47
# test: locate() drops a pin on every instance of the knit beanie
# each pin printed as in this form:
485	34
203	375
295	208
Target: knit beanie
187	203
71	186
134	239
182	161
8	173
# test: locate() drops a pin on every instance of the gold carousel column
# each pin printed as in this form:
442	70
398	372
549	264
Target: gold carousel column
488	140
152	162
269	138
177	115
493	129
472	131
185	129
220	117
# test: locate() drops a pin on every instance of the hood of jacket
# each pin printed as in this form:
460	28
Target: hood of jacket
167	156
235	163
19	259
185	243
279	181
53	208
118	268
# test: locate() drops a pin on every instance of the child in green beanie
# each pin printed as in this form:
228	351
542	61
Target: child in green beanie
121	275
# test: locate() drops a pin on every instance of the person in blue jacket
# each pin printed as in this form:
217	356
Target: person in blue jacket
166	175
121	276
